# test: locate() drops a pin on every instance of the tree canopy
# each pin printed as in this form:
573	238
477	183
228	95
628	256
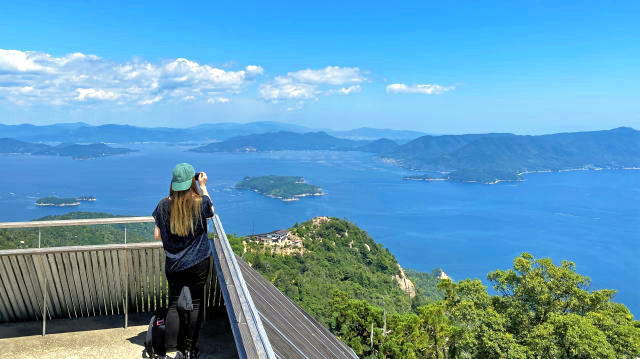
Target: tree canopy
541	311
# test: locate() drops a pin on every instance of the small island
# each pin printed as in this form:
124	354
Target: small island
286	188
54	201
470	176
57	202
424	178
75	151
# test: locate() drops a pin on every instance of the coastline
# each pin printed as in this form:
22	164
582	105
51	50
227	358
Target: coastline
58	205
520	174
291	199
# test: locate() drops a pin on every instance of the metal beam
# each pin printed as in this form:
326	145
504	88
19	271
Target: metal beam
248	330
76	222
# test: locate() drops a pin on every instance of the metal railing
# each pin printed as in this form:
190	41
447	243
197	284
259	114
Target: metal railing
75	222
236	291
42	253
248	330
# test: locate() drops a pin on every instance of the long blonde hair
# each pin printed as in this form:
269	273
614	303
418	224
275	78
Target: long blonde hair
186	209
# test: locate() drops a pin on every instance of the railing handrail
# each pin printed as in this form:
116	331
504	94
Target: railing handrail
69	249
236	281
76	222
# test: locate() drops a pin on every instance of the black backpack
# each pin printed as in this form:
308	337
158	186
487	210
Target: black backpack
154	342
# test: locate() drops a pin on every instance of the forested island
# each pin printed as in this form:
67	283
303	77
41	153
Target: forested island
57	201
282	141
497	157
63	202
75	151
286	188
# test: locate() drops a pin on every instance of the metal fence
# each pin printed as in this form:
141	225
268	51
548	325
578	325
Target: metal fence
84	281
116	279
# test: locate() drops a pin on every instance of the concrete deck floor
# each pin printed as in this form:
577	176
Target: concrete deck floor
102	337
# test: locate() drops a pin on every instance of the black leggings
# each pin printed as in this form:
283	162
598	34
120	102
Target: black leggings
195	278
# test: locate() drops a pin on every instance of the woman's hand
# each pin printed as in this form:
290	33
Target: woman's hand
156	234
202	179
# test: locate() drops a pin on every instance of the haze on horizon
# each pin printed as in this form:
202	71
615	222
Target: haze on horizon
527	67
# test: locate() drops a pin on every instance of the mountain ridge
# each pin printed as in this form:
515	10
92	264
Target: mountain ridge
73	150
492	158
207	132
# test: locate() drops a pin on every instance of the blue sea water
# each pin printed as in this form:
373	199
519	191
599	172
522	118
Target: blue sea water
589	217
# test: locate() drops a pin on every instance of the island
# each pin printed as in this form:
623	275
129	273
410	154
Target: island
470	176
282	141
286	188
57	202
503	157
75	151
424	178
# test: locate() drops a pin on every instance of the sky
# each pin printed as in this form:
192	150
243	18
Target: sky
526	67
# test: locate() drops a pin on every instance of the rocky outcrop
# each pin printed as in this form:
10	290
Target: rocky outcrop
287	245
442	275
405	283
317	221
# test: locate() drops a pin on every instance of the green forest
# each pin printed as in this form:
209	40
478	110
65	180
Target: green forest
337	256
540	310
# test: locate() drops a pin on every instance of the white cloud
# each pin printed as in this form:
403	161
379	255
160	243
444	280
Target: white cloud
254	70
287	91
150	101
18	61
349	90
308	85
425	89
93	94
331	75
218	100
31	78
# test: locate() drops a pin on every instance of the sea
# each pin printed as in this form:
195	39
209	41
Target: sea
590	217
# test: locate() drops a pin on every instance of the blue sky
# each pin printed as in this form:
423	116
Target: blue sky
441	67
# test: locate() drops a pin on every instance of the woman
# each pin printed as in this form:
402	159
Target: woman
181	223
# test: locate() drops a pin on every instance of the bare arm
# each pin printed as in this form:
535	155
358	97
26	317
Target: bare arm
156	234
202	181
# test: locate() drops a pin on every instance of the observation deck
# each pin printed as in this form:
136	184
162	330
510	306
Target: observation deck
96	301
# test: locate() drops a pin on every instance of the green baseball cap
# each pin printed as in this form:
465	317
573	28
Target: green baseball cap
182	175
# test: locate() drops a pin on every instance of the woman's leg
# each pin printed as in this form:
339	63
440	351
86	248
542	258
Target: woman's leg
172	323
199	274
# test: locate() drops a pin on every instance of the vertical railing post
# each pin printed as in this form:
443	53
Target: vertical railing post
126	281
44	296
44	288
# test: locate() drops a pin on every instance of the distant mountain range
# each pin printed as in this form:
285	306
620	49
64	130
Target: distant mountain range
494	157
486	158
282	140
85	133
76	151
368	133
